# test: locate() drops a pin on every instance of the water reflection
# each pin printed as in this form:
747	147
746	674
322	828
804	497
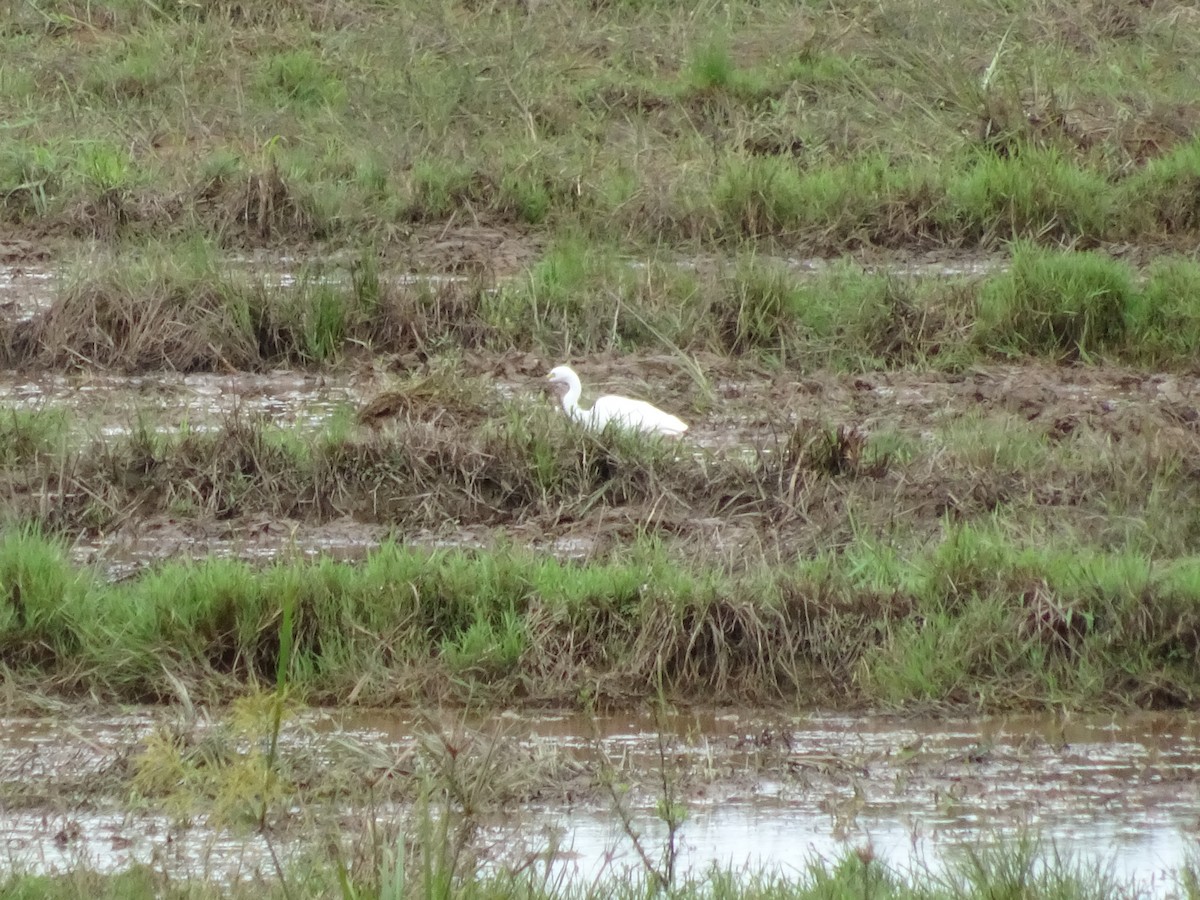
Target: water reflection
760	790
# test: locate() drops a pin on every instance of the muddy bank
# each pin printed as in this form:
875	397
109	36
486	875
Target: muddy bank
760	790
774	464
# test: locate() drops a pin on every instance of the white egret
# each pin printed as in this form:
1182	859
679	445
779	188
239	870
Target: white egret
625	412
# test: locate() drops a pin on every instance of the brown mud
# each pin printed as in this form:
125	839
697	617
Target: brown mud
897	458
824	453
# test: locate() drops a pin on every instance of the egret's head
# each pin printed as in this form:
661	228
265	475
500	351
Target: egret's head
560	375
561	381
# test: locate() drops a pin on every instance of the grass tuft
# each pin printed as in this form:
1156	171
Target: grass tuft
1164	317
1057	302
976	621
1037	195
299	79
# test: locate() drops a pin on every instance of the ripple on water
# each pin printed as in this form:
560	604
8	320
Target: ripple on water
1121	792
114	404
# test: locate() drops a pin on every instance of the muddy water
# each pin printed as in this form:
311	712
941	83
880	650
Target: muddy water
752	414
1122	793
126	551
25	291
110	405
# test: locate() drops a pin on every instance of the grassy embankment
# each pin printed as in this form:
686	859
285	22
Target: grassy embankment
975	620
179	307
815	129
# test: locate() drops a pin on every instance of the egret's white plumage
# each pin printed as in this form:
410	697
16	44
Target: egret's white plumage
625	412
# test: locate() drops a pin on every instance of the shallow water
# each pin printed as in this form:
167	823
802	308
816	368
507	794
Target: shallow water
108	404
25	291
760	791
125	552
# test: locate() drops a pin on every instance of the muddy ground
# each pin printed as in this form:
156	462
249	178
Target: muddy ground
783	462
827	455
902	470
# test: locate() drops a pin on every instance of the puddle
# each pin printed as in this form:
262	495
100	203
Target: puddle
127	551
760	791
943	264
112	405
25	291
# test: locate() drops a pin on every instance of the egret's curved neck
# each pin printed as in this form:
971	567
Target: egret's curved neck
570	400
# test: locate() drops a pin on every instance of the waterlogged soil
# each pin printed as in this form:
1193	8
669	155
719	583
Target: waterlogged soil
751	413
909	472
1118	793
105	404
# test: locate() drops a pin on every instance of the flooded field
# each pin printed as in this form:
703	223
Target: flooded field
919	420
921	423
759	790
851	472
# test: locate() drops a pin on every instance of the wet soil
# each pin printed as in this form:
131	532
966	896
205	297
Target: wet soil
752	413
760	789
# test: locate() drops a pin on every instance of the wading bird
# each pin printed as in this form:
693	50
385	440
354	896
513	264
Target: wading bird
635	415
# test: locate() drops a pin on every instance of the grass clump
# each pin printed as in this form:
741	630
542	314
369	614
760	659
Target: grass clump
1048	615
712	71
436	187
1035	195
1057	303
29	176
229	771
977	620
566	301
764	310
169	308
300	79
1165	191
844	318
1164	318
834	206
27	435
38	597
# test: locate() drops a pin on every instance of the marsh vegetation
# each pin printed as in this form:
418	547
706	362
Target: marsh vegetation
923	284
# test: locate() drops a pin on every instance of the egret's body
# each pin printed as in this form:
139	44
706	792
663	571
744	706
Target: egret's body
624	412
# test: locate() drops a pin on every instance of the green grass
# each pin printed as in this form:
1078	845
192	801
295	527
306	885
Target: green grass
1022	869
1055	302
1166	190
977	619
25	436
1164	318
632	122
180	305
1037	195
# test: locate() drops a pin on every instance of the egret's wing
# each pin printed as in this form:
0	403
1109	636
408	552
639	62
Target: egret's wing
636	414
